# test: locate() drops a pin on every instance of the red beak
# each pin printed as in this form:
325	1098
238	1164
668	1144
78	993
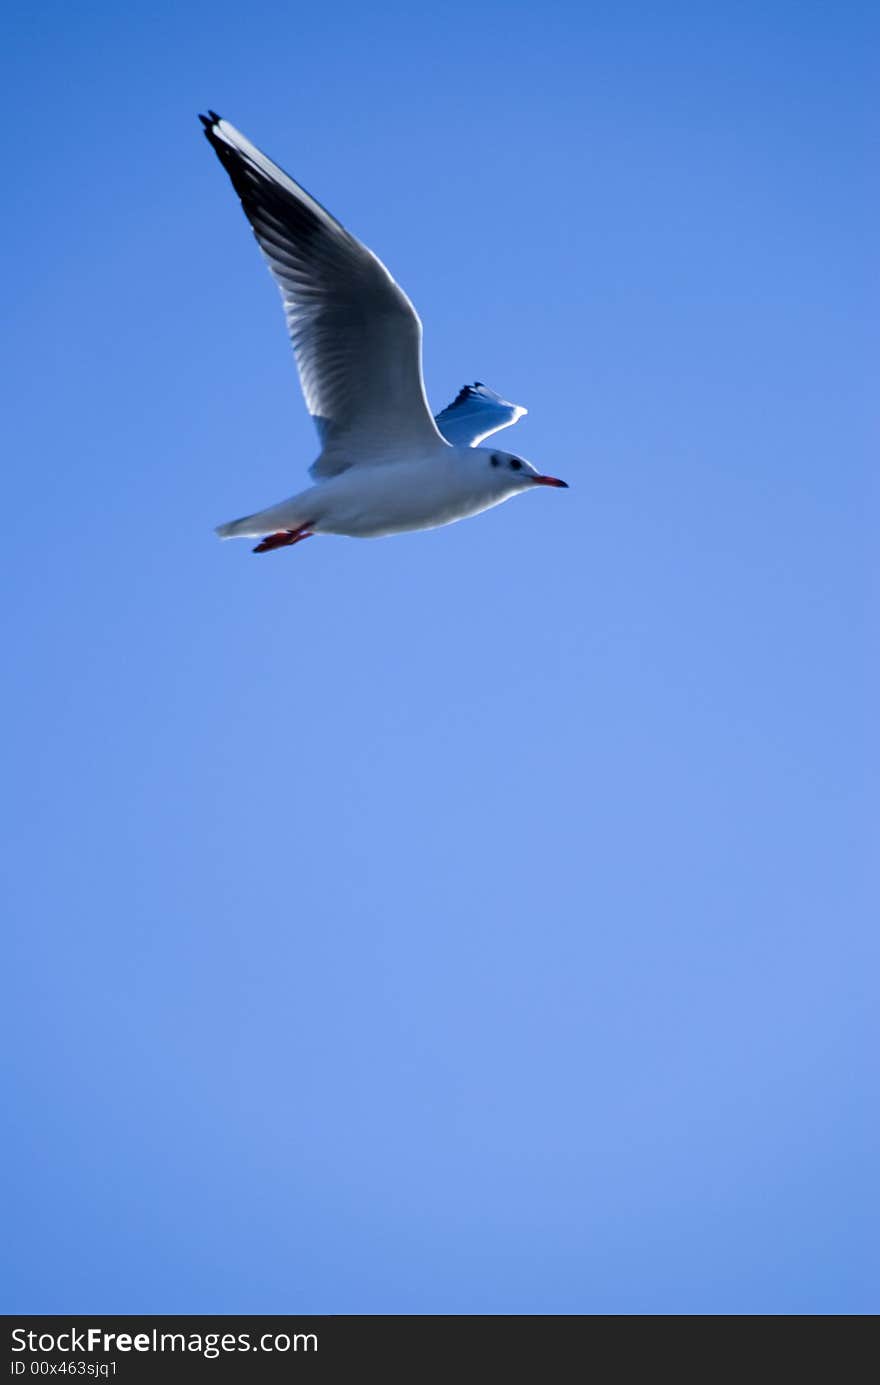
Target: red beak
549	481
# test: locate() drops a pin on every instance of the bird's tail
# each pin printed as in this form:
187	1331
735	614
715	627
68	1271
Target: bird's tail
236	528
290	514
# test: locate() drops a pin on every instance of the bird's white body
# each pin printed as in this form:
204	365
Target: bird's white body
386	466
378	499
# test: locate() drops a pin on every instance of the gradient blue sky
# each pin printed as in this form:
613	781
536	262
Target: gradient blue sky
475	921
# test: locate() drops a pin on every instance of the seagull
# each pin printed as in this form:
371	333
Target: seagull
386	466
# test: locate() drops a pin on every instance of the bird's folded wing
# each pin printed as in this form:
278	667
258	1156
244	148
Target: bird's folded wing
474	414
356	336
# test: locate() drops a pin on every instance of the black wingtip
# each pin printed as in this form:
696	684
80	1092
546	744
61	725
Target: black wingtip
209	120
465	392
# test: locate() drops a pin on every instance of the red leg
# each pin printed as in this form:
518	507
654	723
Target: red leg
283	538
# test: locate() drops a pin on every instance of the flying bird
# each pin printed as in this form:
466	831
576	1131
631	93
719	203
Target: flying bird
386	465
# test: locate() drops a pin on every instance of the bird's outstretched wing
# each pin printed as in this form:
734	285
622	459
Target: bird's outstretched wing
474	414
356	336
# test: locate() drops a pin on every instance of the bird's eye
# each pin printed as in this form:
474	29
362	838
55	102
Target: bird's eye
515	464
493	460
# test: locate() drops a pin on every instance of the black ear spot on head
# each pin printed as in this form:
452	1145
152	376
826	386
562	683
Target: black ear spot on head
494	461
515	464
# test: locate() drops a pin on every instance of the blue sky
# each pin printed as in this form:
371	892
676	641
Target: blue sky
474	921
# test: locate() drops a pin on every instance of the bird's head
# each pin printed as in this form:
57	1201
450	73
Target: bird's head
513	473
